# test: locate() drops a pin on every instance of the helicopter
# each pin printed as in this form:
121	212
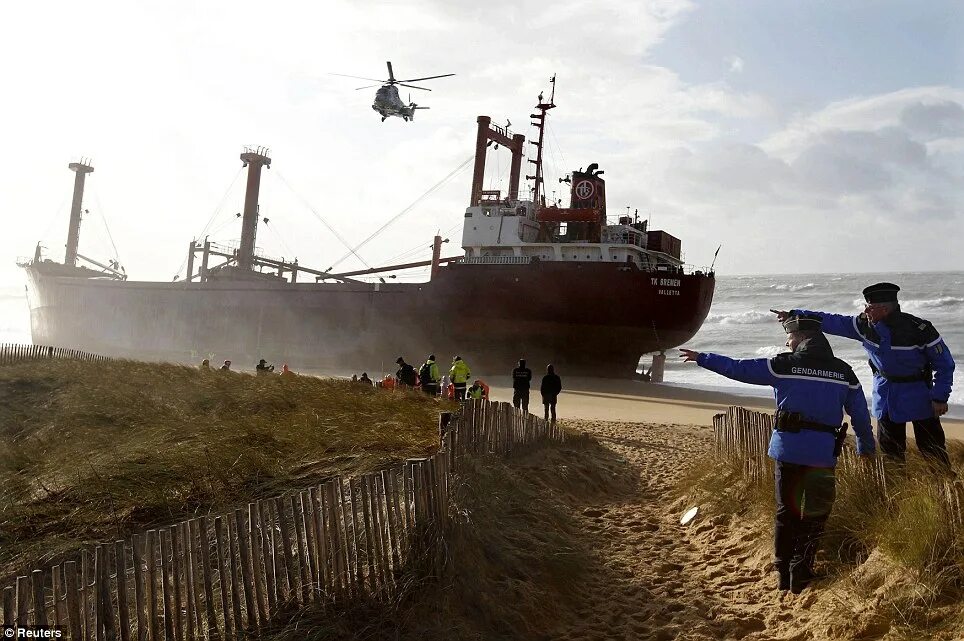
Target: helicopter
387	101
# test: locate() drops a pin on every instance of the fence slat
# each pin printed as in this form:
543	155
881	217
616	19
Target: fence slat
73	605
299	530
246	570
120	556
223	551
254	540
204	541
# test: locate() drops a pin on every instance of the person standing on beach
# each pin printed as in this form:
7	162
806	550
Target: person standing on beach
521	377
550	389
460	374
428	375
812	389
406	373
913	371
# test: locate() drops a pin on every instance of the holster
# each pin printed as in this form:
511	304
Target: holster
793	422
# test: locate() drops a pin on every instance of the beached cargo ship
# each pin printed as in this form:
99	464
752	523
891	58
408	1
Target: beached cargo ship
538	281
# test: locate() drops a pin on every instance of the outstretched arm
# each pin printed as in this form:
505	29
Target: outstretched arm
836	324
857	410
755	371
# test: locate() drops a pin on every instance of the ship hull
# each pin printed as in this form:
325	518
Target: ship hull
589	319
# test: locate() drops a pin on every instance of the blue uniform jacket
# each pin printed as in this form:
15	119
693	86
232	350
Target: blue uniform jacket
814	383
899	345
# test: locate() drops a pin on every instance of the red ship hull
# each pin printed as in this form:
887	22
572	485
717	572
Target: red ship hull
589	319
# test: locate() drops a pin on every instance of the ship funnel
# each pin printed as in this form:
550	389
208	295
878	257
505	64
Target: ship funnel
80	169
253	159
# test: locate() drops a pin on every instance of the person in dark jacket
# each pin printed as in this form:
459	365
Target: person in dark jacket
364	379
913	370
226	367
521	377
263	368
550	388
812	389
406	374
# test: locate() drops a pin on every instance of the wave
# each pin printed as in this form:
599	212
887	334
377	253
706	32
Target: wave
768	351
942	302
742	318
793	288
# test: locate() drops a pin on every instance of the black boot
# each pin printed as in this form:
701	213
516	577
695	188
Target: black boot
783	583
800	577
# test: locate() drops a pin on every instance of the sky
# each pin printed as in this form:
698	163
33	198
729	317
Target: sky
824	136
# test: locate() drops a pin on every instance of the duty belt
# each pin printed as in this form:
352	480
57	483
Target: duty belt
923	376
793	422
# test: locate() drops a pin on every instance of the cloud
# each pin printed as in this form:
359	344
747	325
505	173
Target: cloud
734	64
942	119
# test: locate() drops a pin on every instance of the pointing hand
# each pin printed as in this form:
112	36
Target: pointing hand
940	409
781	316
688	355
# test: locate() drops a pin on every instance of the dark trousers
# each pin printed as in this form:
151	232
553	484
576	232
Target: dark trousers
431	389
520	398
805	497
550	405
928	433
459	391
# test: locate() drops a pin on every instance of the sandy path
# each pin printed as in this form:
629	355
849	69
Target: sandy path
710	580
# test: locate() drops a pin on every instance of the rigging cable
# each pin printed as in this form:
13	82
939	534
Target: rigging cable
217	210
428	192
320	218
214	214
100	210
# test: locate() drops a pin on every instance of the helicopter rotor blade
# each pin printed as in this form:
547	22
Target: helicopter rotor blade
402	84
444	75
391	75
345	75
365	87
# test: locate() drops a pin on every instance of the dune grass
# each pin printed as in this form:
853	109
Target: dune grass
96	451
900	551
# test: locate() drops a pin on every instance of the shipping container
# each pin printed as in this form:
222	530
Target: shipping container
660	241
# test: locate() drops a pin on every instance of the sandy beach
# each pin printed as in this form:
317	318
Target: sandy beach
620	400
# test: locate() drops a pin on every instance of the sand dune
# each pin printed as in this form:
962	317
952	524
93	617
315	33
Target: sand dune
709	580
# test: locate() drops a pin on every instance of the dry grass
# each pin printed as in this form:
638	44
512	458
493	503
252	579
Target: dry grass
517	562
899	555
95	451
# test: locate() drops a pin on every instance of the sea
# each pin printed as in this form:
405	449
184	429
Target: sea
740	324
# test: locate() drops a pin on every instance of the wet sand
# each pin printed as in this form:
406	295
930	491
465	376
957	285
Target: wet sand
620	400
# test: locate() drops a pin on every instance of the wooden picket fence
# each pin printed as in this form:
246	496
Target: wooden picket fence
15	353
226	577
743	436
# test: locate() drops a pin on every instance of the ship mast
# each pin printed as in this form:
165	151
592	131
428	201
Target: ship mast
253	159
80	169
540	124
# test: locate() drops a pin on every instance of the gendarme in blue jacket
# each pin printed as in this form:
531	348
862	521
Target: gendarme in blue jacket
899	345
814	383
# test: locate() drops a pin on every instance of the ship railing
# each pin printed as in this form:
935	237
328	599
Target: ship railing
496	260
24	261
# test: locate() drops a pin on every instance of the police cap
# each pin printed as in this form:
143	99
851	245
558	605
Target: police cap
881	293
802	323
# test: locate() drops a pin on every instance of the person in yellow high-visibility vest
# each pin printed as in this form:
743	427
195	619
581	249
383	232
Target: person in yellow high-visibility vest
476	392
459	374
